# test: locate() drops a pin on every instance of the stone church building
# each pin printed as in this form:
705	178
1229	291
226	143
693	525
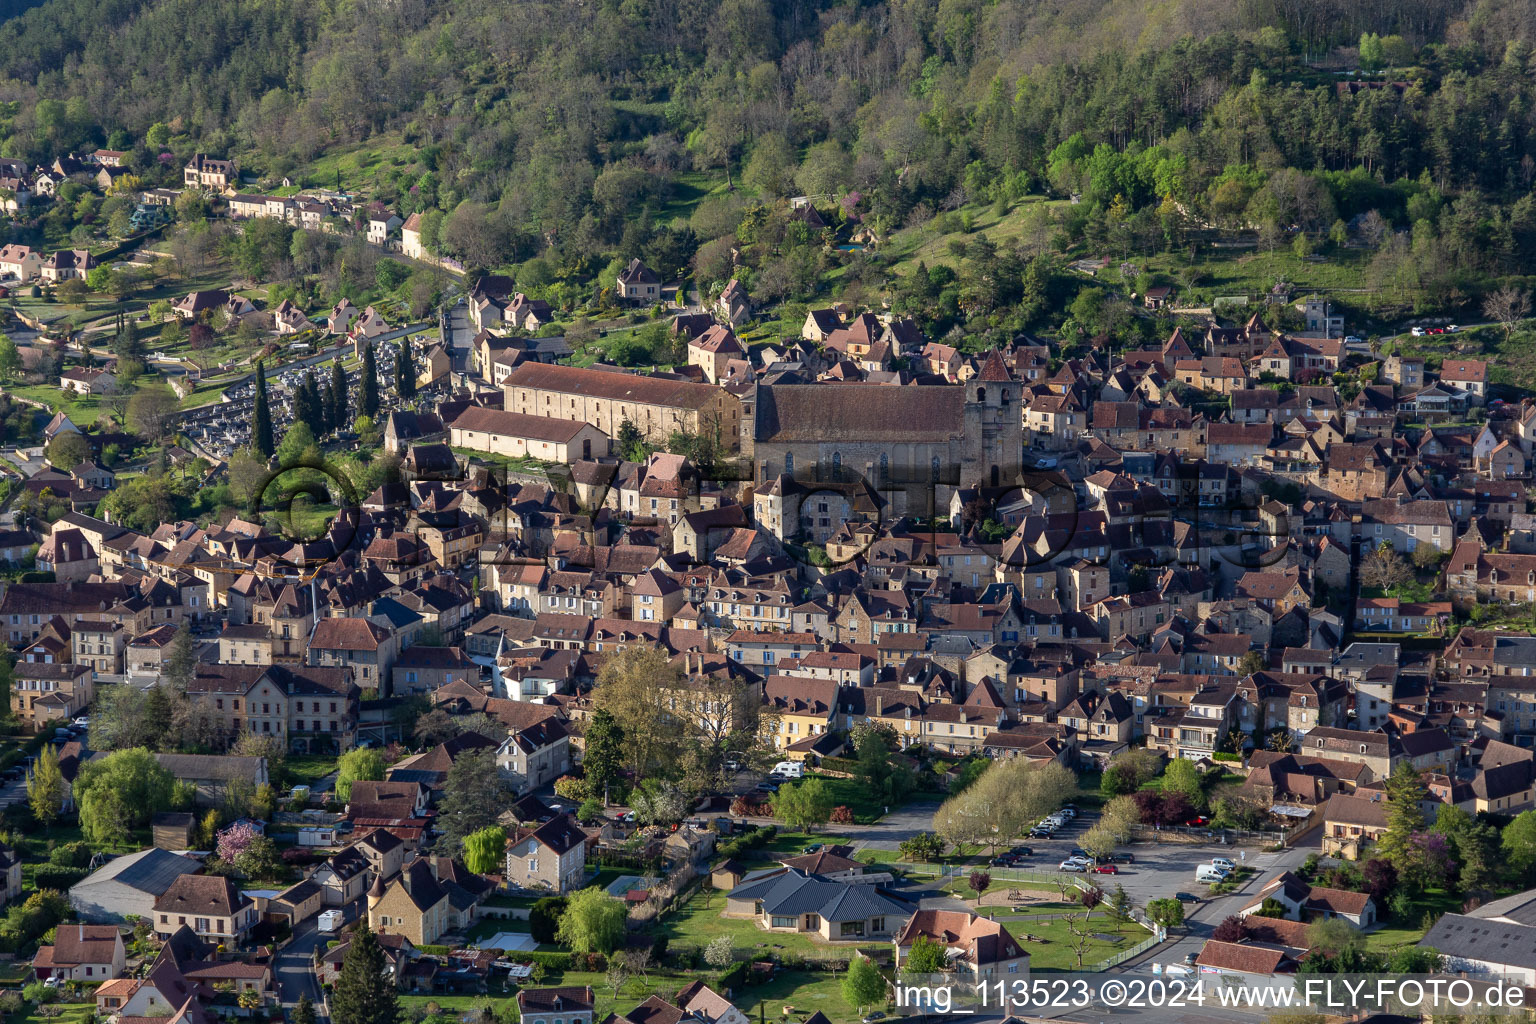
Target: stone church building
913	443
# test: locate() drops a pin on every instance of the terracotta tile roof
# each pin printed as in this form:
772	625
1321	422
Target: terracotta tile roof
625	387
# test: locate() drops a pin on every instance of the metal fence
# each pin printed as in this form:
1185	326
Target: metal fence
1126	954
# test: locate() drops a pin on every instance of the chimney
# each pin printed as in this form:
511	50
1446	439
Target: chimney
879	704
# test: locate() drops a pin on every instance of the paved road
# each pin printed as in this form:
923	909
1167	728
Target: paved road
295	964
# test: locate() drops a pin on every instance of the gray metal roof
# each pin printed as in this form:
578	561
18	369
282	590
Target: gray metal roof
1520	908
836	899
1492	942
150	871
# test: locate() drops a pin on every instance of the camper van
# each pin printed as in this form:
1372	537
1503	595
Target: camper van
787	770
1209	873
331	920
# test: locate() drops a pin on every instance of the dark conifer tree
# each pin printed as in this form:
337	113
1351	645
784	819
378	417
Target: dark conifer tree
368	398
261	417
340	400
405	371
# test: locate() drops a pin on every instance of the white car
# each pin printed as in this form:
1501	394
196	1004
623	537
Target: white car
1452	328
1417	332
1070	812
83	722
1223	863
1073	865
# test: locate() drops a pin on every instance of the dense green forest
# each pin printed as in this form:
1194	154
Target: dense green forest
560	138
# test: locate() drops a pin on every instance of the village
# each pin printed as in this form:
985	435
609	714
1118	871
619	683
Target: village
749	676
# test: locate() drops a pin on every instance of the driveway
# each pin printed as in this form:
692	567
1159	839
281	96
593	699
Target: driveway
295	964
888	833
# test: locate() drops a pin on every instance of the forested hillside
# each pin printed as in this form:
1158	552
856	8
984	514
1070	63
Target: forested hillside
584	133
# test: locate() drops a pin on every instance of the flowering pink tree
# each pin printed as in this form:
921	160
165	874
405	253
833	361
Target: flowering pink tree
234	840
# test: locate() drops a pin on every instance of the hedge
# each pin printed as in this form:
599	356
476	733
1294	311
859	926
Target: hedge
57	876
561	961
1226	756
732	976
840	764
748	841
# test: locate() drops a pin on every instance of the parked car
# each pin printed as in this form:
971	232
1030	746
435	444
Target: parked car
1452	328
1198	821
1039	833
83	722
1107	869
1078	851
813	848
1073	865
1004	861
1022	851
1223	863
1184	897
1191	956
1437	330
1417	332
1123	858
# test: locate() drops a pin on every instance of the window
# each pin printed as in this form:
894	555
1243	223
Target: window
837	460
789	462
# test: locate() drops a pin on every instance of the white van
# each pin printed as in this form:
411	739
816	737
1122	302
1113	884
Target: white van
788	770
1223	863
1209	873
331	920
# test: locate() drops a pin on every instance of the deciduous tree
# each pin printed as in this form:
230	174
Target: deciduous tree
862	985
362	764
45	786
593	922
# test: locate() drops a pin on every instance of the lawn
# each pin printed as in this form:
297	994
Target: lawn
852	794
68	1013
1408	932
785	844
1053	949
355	169
691	188
1089	795
308	769
299	519
83	409
806	991
930	243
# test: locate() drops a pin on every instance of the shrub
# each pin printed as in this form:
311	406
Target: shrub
733	976
39	993
841	815
544	918
57	876
71	855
